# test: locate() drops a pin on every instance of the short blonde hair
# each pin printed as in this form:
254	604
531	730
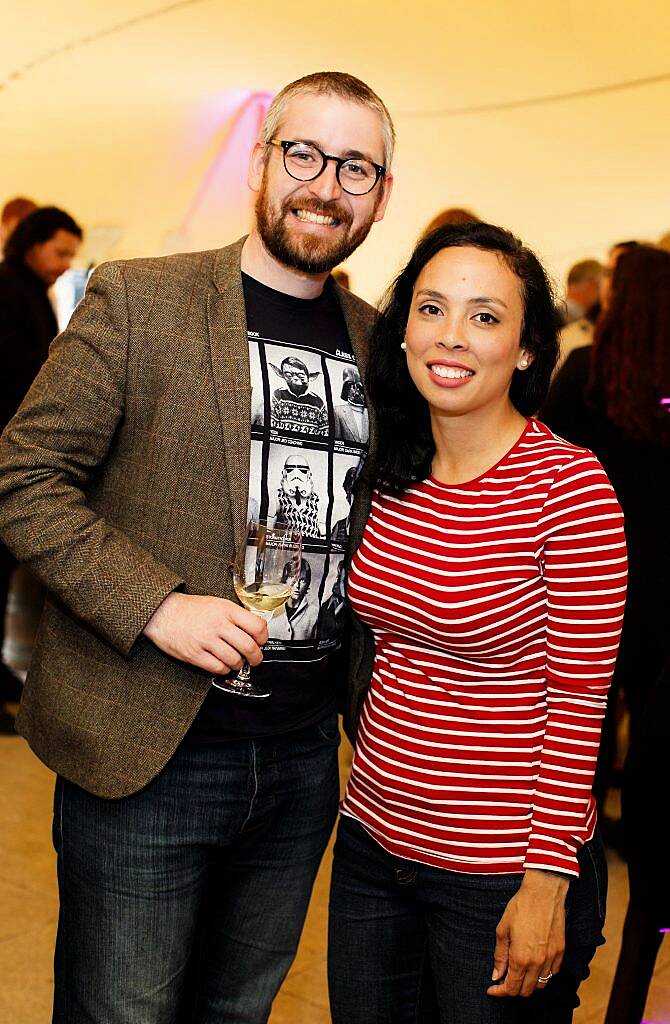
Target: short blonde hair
334	83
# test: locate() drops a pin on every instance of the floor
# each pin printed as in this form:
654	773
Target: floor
28	902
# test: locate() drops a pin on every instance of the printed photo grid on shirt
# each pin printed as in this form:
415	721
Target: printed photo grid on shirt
309	431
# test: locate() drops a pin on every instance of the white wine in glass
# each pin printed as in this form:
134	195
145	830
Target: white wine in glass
265	575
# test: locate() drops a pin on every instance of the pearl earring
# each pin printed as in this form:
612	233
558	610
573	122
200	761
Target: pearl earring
523	364
403	346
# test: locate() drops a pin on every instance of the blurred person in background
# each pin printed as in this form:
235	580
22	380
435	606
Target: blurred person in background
41	247
608	269
583	289
607	397
581	307
452	215
13	212
342	277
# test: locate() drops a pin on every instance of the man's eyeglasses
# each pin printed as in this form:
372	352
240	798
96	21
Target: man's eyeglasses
305	162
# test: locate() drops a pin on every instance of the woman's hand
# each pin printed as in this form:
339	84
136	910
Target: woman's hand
530	937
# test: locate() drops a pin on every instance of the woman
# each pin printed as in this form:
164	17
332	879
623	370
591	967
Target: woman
490	579
609	397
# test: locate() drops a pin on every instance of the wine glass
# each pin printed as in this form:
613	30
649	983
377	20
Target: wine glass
265	574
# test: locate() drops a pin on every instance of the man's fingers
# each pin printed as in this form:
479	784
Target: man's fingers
210	663
244	645
226	654
251	624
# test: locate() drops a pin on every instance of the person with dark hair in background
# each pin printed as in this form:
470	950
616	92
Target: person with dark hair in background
452	215
613	398
13	212
481	658
40	248
608	269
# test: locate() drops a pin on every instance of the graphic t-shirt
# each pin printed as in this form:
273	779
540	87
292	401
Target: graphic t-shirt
309	433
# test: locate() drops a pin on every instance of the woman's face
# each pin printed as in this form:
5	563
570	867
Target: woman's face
464	329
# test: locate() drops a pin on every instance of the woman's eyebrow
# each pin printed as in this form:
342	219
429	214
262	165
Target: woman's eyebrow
487	300
478	300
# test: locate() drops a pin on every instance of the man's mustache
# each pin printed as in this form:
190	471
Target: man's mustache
332	209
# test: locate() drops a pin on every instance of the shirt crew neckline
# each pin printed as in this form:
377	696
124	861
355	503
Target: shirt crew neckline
283	299
492	469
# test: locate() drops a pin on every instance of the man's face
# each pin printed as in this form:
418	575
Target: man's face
285	208
52	258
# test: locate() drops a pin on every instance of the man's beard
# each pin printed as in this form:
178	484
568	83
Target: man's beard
311	255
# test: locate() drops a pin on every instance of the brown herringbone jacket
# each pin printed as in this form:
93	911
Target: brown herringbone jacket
123	476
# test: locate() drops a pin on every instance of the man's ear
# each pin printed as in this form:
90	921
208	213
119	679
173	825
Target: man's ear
257	163
387	185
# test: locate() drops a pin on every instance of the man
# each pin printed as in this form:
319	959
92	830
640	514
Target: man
581	308
13	212
40	248
189	824
583	289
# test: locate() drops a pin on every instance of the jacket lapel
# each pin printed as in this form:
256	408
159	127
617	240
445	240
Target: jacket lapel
226	319
360	319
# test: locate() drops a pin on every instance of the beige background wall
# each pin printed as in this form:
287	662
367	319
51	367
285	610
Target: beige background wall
105	127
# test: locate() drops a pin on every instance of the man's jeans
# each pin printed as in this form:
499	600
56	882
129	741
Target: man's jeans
185	902
411	943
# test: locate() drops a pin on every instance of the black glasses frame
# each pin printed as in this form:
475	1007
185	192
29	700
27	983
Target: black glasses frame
285	145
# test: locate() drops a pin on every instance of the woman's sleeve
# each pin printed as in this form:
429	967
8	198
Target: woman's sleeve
582	550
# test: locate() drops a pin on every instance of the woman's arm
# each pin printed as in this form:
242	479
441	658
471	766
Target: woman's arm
582	548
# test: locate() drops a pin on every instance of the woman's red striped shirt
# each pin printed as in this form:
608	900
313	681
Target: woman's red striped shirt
496	607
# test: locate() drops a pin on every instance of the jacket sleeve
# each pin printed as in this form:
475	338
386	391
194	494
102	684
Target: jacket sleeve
583	552
49	453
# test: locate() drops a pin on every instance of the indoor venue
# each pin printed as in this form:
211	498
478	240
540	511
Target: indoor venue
508	699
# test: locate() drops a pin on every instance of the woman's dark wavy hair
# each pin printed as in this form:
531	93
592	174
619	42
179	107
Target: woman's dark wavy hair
406	446
39	226
630	357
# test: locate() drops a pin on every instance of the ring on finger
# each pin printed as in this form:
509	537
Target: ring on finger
544	978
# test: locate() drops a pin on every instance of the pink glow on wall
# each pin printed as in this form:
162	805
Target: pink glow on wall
221	208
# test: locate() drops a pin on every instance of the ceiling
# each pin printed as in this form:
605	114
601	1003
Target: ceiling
110	110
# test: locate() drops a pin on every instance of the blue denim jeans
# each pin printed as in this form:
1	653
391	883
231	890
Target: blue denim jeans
410	943
185	902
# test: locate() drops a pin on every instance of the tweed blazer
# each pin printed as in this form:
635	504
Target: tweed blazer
124	476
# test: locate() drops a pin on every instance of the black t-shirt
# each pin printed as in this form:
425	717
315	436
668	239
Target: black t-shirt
308	440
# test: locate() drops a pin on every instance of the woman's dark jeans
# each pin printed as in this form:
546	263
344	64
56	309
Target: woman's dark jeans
399	929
